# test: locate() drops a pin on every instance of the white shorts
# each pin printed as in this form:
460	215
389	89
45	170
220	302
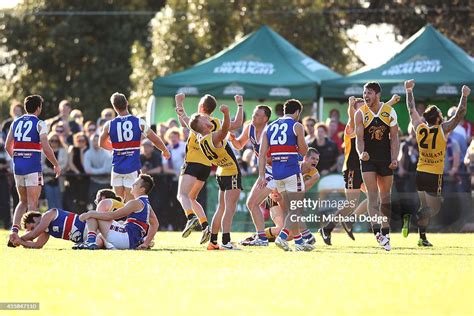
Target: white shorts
293	183
123	180
271	184
29	180
118	236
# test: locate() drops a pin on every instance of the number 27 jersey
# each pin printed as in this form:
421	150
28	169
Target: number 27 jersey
432	148
125	135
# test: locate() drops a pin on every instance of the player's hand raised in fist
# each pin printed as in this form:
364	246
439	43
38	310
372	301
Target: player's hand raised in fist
239	100
395	99
179	98
364	156
224	109
409	84
352	101
466	91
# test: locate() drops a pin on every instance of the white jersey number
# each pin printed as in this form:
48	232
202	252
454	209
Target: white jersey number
282	138
21	131
125	132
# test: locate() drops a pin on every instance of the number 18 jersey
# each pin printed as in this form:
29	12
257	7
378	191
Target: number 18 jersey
282	144
125	135
432	148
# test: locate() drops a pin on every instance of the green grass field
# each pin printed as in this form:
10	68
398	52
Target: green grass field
180	277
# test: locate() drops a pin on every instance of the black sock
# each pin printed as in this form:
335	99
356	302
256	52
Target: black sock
225	238
385	231
204	225
422	231
329	227
191	216
376	229
214	238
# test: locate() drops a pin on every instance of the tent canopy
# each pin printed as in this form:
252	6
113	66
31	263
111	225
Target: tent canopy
262	65
438	66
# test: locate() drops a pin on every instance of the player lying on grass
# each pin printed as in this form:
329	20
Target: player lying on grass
61	224
140	225
351	171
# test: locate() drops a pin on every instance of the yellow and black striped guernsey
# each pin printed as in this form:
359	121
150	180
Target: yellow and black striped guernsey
193	150
432	148
223	157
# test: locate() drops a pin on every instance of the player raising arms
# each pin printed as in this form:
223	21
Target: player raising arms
431	137
284	139
351	171
197	166
140	225
214	145
27	136
123	135
253	132
377	144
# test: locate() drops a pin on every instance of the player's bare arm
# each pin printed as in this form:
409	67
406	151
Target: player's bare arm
394	146
451	124
9	143
37	244
127	209
152	229
308	184
302	146
182	116
239	116
48	152
414	116
158	143
262	160
104	139
42	226
393	100
350	113
219	135
360	146
239	142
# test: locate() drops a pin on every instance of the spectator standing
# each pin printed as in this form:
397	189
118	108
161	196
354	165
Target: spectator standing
327	149
54	187
16	110
98	165
5	171
335	115
78	182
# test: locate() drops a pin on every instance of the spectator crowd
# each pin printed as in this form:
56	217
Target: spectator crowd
86	166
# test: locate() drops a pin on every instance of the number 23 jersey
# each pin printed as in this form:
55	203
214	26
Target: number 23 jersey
223	157
432	148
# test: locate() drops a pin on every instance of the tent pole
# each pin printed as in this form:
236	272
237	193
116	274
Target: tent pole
321	105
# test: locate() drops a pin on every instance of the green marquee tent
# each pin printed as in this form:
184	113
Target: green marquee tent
438	66
262	65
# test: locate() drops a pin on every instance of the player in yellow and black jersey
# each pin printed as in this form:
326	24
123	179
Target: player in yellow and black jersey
377	145
352	174
431	133
196	166
215	147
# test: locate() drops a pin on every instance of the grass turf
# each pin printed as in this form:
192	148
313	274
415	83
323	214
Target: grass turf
180	277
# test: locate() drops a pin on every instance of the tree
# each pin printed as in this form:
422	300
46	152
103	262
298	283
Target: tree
82	56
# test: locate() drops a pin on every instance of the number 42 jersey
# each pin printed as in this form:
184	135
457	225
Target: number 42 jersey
27	144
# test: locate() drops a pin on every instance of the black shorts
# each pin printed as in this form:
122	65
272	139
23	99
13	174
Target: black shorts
353	179
429	182
229	182
379	167
200	171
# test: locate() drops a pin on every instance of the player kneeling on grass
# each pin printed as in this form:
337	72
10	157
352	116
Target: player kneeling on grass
140	225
